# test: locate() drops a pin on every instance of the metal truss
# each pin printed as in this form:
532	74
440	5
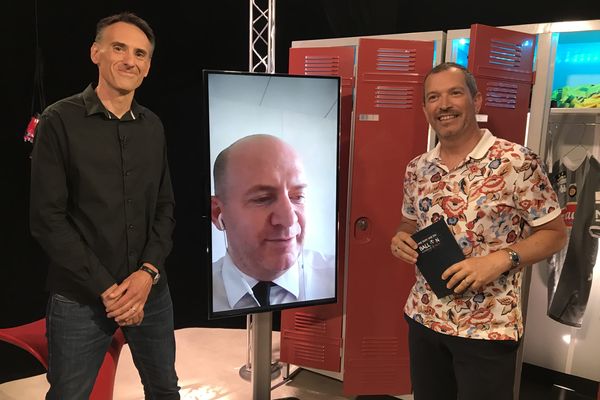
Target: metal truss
262	36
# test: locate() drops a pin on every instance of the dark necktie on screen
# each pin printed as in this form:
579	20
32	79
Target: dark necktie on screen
262	292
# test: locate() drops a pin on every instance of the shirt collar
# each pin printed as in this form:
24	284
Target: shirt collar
479	151
238	284
487	140
93	105
290	280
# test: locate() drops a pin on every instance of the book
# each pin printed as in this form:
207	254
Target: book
438	250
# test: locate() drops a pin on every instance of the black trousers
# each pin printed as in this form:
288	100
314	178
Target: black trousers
444	367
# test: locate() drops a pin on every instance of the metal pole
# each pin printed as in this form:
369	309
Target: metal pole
261	54
271	43
246	369
261	355
250	36
259	325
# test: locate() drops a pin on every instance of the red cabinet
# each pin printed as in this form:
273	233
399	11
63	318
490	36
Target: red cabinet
389	129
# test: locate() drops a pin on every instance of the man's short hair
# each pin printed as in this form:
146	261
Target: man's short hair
219	171
129	18
222	161
469	78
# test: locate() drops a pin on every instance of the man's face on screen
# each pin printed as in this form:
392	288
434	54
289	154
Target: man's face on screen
263	206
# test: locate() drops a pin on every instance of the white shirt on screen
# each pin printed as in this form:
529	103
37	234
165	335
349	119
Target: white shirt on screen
312	277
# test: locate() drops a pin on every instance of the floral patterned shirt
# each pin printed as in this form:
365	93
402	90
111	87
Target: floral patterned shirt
490	200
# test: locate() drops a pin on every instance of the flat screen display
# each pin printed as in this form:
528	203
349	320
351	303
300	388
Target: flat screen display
273	141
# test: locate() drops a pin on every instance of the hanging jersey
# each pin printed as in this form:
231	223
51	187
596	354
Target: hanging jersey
567	179
570	278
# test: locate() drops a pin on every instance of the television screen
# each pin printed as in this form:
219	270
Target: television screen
273	141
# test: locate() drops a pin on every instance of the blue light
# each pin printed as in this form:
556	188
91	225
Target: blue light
460	51
577	59
527	43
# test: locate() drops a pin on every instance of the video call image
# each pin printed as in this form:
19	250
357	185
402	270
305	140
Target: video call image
273	156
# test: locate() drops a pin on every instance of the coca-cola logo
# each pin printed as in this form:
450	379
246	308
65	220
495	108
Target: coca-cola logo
569	214
569	218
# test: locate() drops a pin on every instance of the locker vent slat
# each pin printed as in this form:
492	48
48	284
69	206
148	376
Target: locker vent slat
501	95
310	324
396	60
321	65
394	97
505	54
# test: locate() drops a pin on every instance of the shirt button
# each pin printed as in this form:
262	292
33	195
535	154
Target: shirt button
127	173
130	226
129	201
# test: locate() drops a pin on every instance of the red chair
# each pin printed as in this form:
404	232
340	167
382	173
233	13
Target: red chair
32	338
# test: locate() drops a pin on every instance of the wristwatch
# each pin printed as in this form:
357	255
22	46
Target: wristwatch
514	258
155	275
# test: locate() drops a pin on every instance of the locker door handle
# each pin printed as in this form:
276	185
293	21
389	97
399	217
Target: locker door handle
362	224
362	230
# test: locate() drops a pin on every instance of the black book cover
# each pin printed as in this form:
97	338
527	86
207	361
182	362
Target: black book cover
438	250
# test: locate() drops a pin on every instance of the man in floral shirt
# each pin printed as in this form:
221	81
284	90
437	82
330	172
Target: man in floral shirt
500	207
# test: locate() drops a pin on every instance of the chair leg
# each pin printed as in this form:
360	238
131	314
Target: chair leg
32	338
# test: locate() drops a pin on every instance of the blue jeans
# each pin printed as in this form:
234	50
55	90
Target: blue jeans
79	336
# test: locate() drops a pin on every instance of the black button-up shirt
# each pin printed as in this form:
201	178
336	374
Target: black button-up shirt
101	195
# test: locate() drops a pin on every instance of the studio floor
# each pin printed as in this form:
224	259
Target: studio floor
208	365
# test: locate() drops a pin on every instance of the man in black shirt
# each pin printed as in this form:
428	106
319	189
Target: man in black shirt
102	209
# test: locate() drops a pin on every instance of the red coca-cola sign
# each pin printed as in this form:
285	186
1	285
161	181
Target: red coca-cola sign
569	214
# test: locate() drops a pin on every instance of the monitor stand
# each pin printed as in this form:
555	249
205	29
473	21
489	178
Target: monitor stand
261	356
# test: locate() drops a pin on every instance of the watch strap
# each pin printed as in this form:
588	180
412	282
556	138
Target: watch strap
155	275
514	258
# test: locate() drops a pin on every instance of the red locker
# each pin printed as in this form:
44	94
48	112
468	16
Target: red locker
390	129
502	63
312	336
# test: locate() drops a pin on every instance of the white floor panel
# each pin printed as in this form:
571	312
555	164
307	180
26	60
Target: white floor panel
208	363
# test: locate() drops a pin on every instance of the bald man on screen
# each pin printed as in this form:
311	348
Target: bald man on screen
259	204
